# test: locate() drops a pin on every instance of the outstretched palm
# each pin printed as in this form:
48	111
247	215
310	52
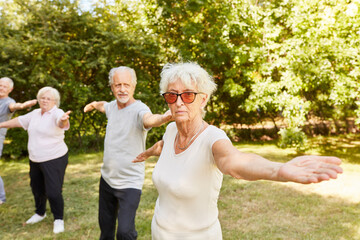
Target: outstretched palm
310	169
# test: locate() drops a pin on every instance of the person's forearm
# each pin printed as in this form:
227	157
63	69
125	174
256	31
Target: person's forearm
155	120
13	123
248	166
251	167
156	149
19	106
98	105
95	105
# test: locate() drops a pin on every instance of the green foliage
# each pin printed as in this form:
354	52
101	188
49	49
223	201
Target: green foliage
295	59
57	45
17	148
293	138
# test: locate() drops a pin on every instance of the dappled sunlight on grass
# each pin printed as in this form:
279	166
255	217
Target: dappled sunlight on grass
148	212
149	167
150	164
346	147
269	210
80	192
345	187
80	170
247	209
87	157
21	166
148	182
269	151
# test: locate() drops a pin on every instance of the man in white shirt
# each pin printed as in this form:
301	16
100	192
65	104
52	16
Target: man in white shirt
7	107
121	180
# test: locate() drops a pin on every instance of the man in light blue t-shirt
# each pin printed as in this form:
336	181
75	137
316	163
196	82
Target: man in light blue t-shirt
7	107
121	180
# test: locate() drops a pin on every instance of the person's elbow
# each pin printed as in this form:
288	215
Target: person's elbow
149	121
229	167
235	174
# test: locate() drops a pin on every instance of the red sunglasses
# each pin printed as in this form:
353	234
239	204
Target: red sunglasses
186	97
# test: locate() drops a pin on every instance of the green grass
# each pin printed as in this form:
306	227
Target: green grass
248	210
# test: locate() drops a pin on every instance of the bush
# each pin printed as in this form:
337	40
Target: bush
15	144
293	137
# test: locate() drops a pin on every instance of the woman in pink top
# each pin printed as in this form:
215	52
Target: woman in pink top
194	156
48	154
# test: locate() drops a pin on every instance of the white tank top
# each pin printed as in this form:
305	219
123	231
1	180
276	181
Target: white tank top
188	184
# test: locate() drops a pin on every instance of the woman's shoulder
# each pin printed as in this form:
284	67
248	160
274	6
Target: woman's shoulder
37	110
57	111
171	125
214	132
31	114
170	129
214	129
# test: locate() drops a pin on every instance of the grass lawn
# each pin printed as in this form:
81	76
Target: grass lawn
248	210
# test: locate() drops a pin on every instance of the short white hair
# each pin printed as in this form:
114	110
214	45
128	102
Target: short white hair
187	73
53	91
9	80
122	69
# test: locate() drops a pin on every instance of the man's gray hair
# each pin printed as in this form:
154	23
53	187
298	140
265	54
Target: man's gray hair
122	69
188	73
53	91
9	80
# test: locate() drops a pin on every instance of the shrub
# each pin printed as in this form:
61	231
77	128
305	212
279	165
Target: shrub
293	137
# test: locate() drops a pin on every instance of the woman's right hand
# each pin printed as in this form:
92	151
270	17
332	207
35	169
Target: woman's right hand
155	150
141	157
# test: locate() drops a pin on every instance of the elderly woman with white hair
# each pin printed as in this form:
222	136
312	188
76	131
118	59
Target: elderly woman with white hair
194	156
48	154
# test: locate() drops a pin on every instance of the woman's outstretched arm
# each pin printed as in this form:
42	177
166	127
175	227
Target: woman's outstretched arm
250	166
155	150
13	123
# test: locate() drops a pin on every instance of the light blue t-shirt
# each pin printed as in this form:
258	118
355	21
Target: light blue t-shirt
5	115
124	140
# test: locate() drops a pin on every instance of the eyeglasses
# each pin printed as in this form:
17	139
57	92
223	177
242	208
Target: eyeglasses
46	99
186	97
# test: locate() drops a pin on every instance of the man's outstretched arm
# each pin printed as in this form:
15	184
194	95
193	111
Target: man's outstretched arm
156	120
19	106
98	105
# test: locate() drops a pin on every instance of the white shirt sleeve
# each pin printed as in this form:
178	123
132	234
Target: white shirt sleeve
24	120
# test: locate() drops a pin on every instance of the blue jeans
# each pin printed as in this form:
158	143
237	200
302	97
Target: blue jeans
2	190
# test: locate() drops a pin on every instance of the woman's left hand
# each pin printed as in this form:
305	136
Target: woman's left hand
64	120
65	116
310	169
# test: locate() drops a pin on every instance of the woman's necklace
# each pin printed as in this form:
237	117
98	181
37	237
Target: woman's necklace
177	138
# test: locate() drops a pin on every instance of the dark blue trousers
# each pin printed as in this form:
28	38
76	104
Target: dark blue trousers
121	204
